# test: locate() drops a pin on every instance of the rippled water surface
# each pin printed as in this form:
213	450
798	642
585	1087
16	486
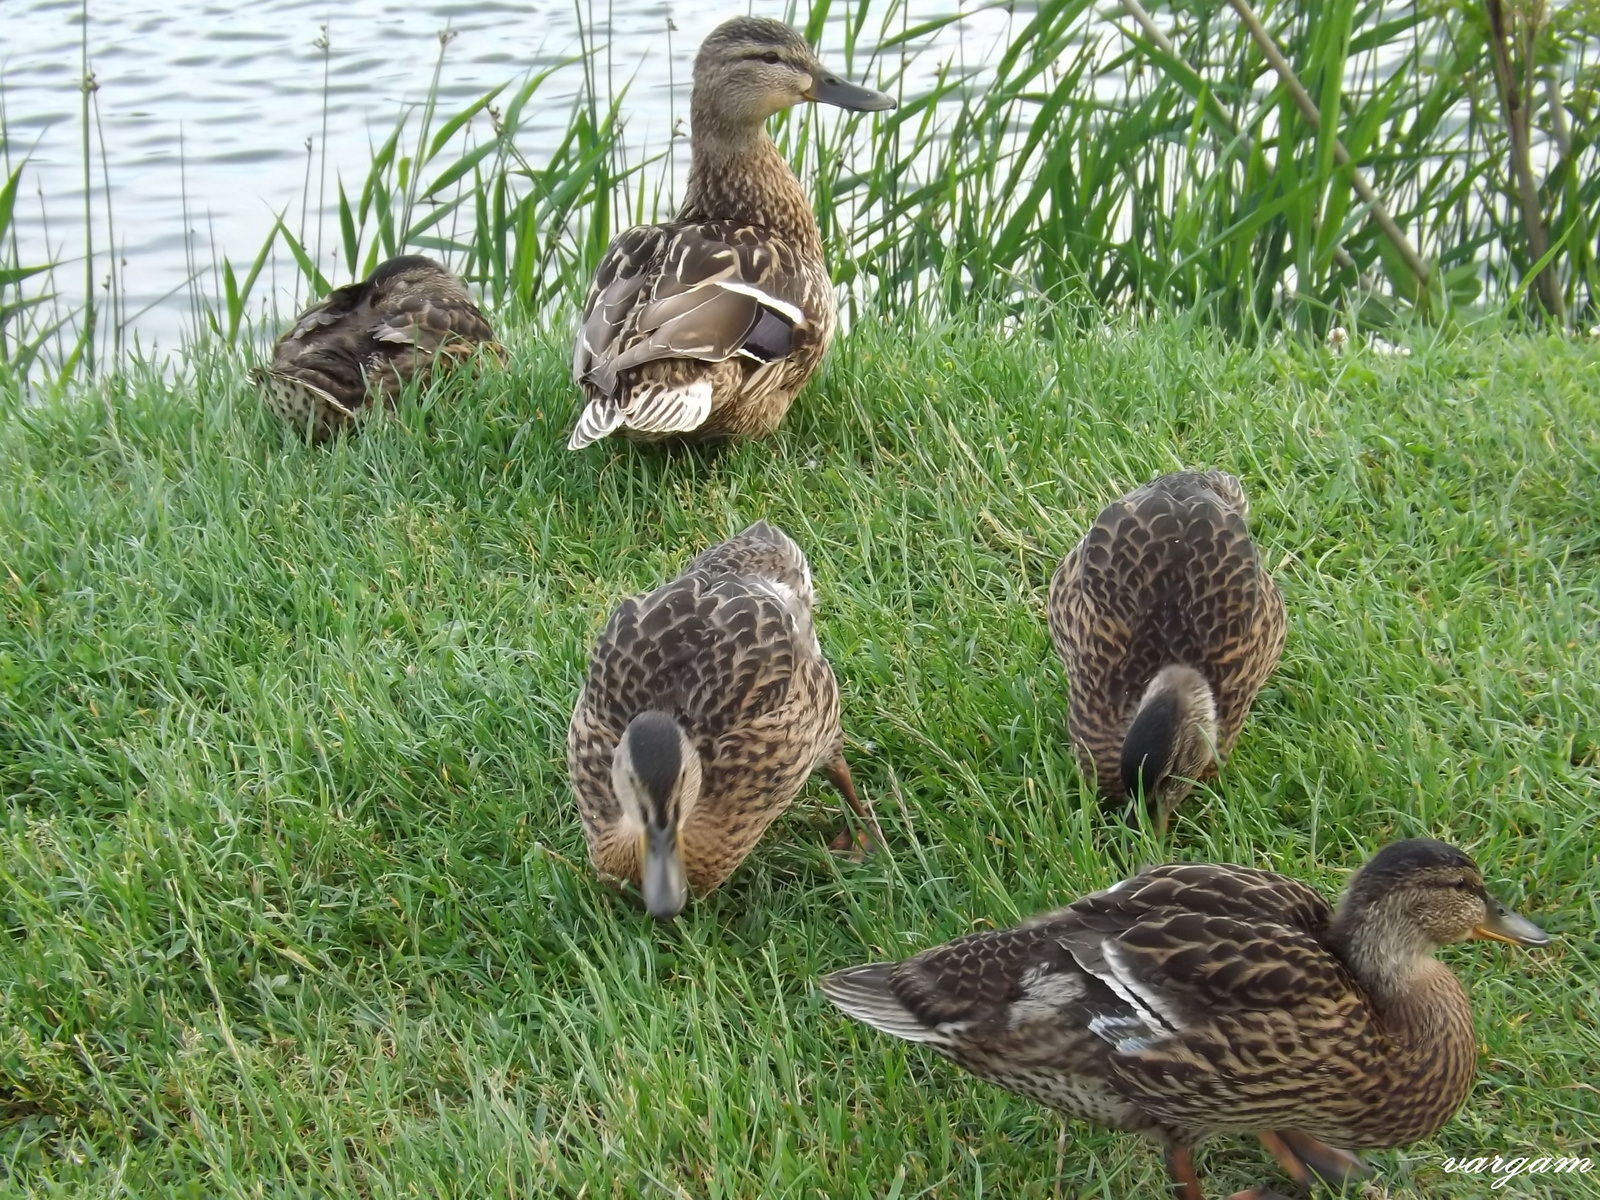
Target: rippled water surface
215	110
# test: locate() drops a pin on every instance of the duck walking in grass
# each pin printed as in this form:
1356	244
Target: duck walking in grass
365	341
1197	1000
710	324
1168	624
707	704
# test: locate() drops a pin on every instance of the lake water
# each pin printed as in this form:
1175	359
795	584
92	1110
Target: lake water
211	113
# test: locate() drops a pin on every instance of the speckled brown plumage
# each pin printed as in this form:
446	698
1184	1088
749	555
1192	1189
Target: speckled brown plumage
365	341
1167	576
710	324
1194	1000
729	651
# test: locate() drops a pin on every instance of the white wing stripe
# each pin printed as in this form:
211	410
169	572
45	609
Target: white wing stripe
1144	999
793	312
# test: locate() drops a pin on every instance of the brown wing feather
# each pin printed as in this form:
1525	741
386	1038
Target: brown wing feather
620	285
705	327
692	291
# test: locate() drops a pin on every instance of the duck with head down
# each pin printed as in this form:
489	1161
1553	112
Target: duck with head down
709	325
707	704
1168	624
1201	999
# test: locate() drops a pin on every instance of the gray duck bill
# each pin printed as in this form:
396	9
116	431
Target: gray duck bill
664	886
830	89
1503	925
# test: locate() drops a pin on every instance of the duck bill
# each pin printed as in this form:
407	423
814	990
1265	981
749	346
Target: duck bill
665	887
830	89
1503	925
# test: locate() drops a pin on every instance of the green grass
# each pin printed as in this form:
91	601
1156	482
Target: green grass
295	899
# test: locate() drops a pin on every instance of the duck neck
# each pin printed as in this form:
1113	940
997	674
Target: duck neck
737	175
1420	1001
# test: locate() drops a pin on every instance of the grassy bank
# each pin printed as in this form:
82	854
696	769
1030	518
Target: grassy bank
295	900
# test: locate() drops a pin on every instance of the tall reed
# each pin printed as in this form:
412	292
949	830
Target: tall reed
1438	156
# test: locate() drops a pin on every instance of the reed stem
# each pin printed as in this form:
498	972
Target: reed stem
1308	108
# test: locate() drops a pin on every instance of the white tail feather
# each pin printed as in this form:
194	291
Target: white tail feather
670	409
599	417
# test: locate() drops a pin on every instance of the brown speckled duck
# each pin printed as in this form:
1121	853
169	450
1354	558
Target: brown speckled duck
707	704
1168	625
1198	1000
365	341
709	325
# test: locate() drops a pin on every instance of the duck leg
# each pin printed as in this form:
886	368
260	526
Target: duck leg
1333	1166
1180	1166
1287	1158
861	844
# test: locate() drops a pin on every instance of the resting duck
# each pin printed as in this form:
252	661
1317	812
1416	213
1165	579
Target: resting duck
710	324
1198	1000
708	702
1168	625
367	340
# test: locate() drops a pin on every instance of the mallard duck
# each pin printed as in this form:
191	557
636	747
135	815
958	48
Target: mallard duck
707	704
710	324
1196	1000
1168	624
367	340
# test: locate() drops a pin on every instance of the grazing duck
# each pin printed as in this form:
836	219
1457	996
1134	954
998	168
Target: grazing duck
1168	624
707	704
1196	1000
367	340
710	324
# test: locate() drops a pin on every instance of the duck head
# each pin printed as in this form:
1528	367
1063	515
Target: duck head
1171	740
752	67
655	774
1411	898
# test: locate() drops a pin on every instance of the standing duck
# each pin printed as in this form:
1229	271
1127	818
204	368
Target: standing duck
1168	625
710	324
707	704
1198	1000
366	340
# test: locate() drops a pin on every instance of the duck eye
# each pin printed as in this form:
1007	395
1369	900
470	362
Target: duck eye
1461	885
772	58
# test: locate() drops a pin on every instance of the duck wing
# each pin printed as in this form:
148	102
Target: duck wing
1177	943
1100	958
1236	1014
1010	985
703	292
432	322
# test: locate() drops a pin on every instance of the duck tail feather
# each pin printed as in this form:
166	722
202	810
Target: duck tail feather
865	994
